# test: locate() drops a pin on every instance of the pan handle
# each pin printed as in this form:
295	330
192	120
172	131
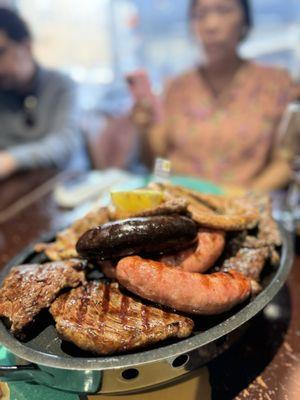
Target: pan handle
64	380
24	373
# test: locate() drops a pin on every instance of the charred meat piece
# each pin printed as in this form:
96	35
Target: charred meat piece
99	318
246	260
30	288
268	230
249	262
183	291
248	254
138	235
235	242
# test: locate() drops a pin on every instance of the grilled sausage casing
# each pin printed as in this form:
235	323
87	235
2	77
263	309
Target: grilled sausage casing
210	247
183	291
138	236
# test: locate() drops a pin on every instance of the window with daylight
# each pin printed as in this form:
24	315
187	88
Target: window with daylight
98	41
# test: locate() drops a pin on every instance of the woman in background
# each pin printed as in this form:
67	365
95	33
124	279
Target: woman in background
220	120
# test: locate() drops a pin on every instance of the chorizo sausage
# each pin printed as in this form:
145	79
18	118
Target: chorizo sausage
183	291
210	246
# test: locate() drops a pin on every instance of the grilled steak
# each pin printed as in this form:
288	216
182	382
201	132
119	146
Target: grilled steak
100	319
29	288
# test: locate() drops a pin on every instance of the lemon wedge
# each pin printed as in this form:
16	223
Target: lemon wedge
234	191
136	200
4	391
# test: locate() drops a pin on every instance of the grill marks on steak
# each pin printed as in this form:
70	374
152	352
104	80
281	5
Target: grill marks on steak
99	318
30	288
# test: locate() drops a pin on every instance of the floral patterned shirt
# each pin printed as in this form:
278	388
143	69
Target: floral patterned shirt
227	138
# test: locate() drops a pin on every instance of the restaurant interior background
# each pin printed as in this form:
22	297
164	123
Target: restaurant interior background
96	42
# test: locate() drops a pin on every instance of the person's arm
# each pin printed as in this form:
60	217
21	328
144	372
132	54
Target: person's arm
277	175
56	148
153	127
278	172
151	136
8	164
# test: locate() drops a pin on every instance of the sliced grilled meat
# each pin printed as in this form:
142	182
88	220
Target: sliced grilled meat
100	319
29	288
138	235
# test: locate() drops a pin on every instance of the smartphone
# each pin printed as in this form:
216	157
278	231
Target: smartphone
140	86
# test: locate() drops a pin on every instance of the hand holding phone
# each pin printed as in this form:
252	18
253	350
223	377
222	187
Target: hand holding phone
148	107
140	86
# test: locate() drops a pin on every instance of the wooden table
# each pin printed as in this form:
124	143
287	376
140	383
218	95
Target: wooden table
265	364
28	210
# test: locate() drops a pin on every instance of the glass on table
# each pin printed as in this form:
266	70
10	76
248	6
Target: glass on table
289	143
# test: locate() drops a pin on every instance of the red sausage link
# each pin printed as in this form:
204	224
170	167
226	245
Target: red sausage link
184	291
210	246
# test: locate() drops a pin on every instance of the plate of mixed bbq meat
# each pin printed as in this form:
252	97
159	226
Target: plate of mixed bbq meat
142	270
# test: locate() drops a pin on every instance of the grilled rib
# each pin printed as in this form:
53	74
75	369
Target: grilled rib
100	319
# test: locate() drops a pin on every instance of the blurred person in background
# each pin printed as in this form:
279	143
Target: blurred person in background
38	112
220	120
